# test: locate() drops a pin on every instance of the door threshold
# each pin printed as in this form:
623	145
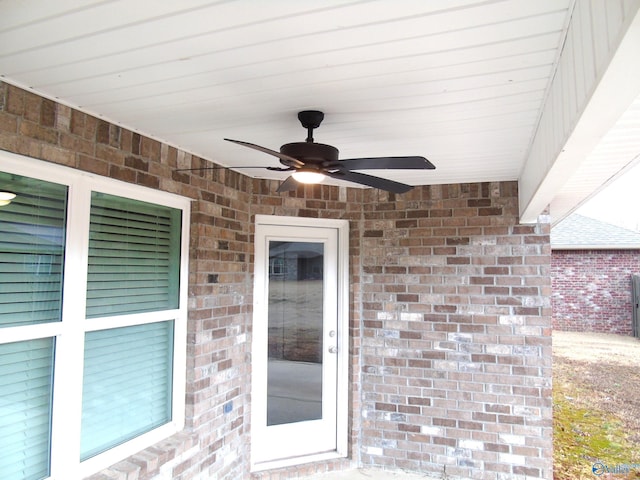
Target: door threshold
368	474
289	462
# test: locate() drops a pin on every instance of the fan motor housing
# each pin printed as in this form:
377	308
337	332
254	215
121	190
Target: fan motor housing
308	152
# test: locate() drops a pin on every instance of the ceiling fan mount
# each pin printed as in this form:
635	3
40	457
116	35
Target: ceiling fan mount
310	119
309	152
310	162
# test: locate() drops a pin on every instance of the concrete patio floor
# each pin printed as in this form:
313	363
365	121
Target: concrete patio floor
368	474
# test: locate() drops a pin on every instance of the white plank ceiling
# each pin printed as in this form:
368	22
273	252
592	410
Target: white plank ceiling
460	82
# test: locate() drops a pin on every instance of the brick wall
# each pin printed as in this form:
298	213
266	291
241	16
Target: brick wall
450	351
592	290
456	339
214	442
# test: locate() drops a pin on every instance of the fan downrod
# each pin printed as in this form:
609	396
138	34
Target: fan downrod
310	119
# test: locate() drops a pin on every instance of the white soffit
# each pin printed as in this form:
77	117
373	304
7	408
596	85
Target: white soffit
615	154
459	81
585	138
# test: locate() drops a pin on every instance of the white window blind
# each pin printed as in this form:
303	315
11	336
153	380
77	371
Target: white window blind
127	384
32	241
26	375
133	256
31	251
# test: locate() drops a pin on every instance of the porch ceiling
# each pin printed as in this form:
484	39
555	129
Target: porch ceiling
462	82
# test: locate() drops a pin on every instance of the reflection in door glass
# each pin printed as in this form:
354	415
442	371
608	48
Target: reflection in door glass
294	375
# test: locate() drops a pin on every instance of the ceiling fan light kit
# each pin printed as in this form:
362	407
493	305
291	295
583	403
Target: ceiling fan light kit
6	198
308	176
312	162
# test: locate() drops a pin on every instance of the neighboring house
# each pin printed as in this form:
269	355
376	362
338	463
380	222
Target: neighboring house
288	261
592	263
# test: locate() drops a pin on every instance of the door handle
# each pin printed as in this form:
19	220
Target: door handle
333	349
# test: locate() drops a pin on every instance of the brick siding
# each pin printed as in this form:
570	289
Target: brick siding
450	347
592	290
456	345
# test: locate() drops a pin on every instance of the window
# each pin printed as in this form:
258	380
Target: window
277	266
93	276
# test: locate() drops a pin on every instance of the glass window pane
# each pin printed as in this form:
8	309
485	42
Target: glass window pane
294	371
127	384
26	374
134	256
32	239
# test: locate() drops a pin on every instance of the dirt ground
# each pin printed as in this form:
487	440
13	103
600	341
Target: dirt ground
600	373
618	349
606	365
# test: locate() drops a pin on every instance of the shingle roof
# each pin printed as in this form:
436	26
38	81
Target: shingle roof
578	232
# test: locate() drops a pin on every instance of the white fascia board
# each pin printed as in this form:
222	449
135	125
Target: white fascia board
616	91
595	247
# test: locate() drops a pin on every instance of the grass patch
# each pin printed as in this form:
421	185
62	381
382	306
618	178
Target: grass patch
584	435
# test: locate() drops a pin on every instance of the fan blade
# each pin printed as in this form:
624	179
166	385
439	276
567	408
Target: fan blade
289	161
386	163
288	185
219	167
370	181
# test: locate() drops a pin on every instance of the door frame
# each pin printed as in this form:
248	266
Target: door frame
342	398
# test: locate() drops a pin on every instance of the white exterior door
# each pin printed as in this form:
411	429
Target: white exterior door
300	347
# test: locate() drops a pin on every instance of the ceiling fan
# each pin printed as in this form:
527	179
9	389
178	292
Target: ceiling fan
311	162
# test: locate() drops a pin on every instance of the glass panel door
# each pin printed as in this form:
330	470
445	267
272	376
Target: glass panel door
296	362
294	375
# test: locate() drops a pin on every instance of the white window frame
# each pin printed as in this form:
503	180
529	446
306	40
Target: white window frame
70	332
